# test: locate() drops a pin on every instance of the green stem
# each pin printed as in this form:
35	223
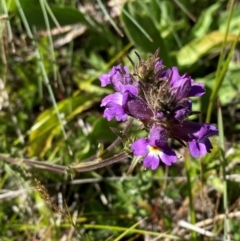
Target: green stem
189	187
224	164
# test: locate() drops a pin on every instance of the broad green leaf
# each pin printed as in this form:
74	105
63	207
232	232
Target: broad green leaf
197	48
34	14
204	22
47	124
230	86
234	23
101	130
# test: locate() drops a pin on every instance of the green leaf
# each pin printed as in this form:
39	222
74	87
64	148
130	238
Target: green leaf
199	47
204	22
229	88
64	15
234	23
47	125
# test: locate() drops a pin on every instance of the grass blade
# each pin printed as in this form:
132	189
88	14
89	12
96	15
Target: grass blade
41	65
224	164
110	18
222	67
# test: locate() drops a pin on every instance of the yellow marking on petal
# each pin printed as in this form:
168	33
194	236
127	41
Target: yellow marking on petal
154	149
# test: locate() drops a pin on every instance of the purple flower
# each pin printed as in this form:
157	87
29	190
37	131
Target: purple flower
154	150
114	109
202	145
180	86
118	74
175	103
183	86
122	81
120	78
160	100
196	135
197	89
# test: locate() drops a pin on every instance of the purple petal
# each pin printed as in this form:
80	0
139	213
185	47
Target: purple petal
165	74
114	110
206	131
195	149
160	115
212	130
207	144
197	90
175	75
105	80
130	88
158	68
187	131
116	98
183	109
180	89
158	136
198	149
203	131
159	64
202	145
168	156
119	77
139	147
185	85
151	161
181	114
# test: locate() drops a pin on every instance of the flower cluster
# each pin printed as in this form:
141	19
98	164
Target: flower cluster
159	98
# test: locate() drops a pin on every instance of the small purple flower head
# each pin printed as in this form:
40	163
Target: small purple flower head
197	136
118	74
197	89
154	149
114	109
122	81
180	85
183	86
202	145
160	99
120	78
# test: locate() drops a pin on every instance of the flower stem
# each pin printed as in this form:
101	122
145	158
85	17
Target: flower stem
94	162
81	167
